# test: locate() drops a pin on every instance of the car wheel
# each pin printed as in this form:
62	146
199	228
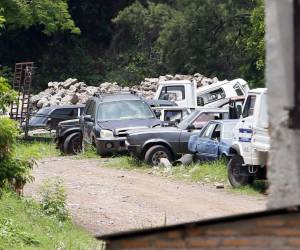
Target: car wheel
73	144
234	177
155	153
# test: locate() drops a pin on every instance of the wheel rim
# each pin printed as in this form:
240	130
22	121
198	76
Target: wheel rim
235	172
157	156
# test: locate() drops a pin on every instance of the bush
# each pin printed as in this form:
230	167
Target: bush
8	135
13	171
54	198
7	95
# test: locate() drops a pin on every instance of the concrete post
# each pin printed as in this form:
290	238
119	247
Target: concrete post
284	159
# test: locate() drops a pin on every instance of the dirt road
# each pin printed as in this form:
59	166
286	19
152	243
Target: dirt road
105	200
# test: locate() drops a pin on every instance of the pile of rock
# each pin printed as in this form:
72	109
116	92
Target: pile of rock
72	91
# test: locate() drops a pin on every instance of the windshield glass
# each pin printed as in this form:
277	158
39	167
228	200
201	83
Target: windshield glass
185	122
124	110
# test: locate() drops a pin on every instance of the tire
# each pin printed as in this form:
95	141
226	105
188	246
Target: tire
73	144
236	180
153	155
101	153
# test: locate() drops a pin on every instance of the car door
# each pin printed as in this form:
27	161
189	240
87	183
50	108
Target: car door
245	125
212	145
204	141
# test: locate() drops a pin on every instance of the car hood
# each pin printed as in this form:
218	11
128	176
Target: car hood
157	130
70	122
122	126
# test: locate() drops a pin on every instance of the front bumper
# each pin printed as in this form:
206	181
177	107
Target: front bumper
111	145
135	150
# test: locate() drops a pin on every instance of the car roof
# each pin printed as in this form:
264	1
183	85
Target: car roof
115	97
258	91
232	121
216	110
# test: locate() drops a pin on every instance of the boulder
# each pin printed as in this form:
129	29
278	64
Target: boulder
69	82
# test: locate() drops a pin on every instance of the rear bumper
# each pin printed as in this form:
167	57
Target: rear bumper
111	145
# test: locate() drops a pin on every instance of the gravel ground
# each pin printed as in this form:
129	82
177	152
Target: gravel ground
106	200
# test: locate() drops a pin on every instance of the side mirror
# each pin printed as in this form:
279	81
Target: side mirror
88	118
191	127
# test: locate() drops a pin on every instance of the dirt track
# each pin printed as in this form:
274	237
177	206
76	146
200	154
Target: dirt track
105	200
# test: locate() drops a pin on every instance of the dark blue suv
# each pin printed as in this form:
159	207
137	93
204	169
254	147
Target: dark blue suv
107	118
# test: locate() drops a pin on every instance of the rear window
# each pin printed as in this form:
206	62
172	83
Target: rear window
211	97
172	93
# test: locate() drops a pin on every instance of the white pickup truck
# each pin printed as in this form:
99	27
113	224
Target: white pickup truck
251	141
186	94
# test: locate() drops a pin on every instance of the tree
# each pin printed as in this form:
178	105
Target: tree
134	44
52	16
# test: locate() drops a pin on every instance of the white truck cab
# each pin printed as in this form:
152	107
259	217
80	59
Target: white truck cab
186	94
251	141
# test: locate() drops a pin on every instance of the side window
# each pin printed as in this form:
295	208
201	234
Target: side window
204	118
80	111
208	131
173	115
93	109
216	135
238	89
249	106
86	109
64	113
172	93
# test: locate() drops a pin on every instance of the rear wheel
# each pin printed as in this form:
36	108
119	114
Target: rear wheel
155	153
234	176
73	144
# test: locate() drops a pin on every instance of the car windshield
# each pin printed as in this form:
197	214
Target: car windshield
40	118
124	110
187	121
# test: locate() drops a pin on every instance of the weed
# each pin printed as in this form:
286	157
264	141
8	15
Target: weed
54	198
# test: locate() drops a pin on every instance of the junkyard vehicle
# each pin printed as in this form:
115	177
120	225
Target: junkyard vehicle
170	142
213	142
108	118
171	115
69	137
49	117
251	141
186	94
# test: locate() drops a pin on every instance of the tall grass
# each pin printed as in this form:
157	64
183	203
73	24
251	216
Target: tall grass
23	225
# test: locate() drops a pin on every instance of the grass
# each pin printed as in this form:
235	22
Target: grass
23	225
206	172
35	149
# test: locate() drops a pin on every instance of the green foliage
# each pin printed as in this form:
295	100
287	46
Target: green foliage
24	225
138	28
13	170
125	40
53	16
7	95
255	48
8	134
35	150
54	198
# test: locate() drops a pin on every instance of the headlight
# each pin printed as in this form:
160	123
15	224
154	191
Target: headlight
106	133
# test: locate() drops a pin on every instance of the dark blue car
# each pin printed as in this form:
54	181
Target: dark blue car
214	140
